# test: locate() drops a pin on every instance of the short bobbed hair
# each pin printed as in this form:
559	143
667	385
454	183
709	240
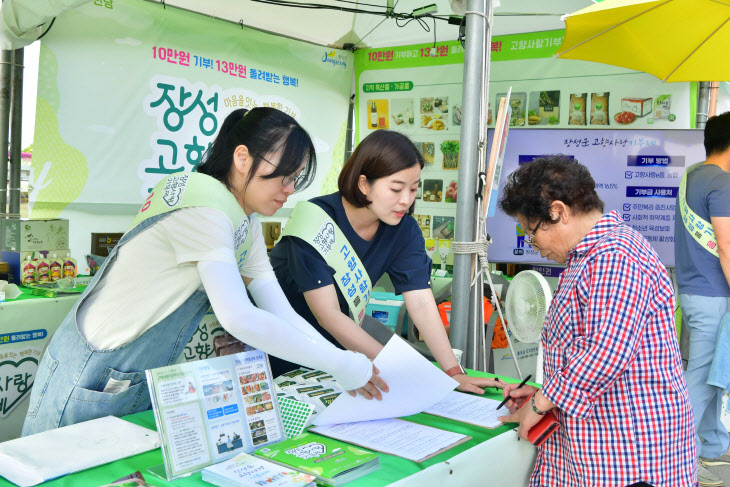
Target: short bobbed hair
379	155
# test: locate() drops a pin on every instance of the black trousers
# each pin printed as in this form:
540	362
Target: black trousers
639	484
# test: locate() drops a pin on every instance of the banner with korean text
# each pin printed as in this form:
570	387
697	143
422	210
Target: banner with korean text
417	90
129	92
637	173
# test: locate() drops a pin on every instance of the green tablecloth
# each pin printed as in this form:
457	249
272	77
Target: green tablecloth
27	293
391	469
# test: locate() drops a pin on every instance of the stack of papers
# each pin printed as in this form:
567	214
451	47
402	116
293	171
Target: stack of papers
476	410
418	388
412	441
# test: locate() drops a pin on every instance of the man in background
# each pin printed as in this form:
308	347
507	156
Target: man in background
702	259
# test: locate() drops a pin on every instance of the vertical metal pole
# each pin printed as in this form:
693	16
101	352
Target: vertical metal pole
5	63
703	103
466	206
16	128
714	88
350	131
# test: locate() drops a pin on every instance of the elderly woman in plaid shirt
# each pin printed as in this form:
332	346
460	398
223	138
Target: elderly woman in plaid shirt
613	372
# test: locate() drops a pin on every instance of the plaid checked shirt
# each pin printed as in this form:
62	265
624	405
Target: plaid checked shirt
613	369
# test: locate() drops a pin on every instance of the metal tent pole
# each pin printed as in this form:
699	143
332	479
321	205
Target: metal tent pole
703	103
5	65
463	329
16	118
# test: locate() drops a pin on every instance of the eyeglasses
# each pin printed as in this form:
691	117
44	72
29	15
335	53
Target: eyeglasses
530	239
287	180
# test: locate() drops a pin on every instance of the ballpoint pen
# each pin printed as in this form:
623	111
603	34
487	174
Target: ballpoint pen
524	381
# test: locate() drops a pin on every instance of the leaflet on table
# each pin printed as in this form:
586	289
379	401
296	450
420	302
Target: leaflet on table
246	470
412	441
476	410
423	386
211	410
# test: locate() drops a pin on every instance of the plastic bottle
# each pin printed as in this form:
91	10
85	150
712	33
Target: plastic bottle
29	270
56	269
43	271
69	266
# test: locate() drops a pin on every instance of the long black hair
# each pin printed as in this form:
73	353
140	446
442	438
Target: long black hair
263	130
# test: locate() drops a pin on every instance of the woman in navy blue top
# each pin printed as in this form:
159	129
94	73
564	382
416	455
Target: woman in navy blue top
373	208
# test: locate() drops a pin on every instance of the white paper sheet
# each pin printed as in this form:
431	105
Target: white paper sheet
397	437
415	384
476	410
44	456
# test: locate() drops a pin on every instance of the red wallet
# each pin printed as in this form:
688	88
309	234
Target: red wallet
547	425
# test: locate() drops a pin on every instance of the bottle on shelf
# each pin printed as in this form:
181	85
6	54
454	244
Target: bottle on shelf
373	115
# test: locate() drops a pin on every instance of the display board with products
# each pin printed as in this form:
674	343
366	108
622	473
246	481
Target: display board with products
418	91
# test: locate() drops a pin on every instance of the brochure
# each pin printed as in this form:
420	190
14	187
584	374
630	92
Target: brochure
211	410
246	470
333	462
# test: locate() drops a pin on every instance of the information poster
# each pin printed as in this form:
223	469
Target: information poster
20	353
417	90
131	92
211	410
637	173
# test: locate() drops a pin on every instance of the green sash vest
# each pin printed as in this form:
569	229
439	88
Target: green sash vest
313	225
186	190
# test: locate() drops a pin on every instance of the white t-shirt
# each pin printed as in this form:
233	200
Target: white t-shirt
155	272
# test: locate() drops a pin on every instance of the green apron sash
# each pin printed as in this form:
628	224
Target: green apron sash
313	225
189	189
700	229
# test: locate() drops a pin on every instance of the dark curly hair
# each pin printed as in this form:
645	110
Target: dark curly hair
530	190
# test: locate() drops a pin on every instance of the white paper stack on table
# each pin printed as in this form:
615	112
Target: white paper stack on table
412	441
476	410
37	458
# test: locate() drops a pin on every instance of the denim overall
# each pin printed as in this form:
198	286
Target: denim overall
72	375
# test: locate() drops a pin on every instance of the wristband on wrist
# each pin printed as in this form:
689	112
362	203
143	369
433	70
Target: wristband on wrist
534	408
455	370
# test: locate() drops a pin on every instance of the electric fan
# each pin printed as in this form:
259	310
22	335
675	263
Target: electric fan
527	301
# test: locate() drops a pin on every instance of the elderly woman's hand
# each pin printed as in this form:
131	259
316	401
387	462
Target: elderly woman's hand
518	395
525	416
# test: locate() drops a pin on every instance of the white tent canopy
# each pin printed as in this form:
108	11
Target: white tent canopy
24	20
